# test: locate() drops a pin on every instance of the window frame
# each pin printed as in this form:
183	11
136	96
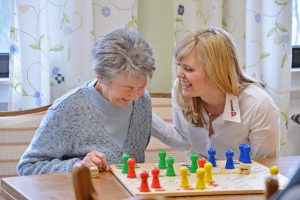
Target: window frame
4	65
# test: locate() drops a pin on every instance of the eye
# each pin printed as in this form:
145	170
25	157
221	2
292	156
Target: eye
187	68
128	89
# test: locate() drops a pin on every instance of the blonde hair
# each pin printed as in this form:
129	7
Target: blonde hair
216	51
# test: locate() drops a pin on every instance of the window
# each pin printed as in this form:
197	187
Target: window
295	34
4	24
296	23
4	53
4	38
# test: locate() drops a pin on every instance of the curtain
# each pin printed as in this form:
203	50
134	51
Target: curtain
51	43
262	32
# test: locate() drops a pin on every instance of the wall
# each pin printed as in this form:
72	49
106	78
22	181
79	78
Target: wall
157	25
293	128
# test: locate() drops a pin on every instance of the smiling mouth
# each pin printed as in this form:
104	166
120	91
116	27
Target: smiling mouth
126	100
185	85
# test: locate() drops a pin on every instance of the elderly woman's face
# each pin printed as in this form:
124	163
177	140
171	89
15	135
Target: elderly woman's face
123	89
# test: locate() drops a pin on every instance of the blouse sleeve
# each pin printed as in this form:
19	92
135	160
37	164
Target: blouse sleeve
265	130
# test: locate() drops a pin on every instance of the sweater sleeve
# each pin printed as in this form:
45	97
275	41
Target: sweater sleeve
49	147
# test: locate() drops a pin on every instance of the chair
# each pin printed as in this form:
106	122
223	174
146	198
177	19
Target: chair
82	184
162	106
16	131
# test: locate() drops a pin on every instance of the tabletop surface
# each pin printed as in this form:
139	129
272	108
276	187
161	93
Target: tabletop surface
59	185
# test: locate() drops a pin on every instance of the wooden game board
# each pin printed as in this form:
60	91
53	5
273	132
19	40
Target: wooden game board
226	181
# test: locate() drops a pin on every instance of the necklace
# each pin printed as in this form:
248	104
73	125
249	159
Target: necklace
216	114
211	115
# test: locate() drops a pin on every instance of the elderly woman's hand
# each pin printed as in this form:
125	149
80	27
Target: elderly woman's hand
95	158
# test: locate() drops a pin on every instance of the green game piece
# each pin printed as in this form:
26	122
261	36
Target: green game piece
162	160
125	158
194	166
170	168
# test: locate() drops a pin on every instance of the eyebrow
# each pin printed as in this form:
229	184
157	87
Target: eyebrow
131	87
186	65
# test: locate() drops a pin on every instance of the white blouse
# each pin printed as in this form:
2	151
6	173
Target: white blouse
252	118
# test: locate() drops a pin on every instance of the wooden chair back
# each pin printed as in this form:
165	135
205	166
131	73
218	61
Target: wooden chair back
16	131
82	184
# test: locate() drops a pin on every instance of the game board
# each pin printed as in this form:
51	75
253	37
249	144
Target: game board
226	181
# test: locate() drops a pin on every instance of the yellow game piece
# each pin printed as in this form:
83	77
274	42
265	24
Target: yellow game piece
272	184
245	168
274	170
200	179
94	171
184	177
208	172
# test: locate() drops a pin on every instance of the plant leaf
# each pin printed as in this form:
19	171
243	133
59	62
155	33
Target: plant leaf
57	48
264	55
283	61
66	18
271	32
35	46
41	38
178	19
224	22
280	27
284	117
281	2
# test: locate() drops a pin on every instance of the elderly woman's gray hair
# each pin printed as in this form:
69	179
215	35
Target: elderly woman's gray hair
123	50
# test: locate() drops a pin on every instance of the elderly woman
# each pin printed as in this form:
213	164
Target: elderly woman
96	123
215	105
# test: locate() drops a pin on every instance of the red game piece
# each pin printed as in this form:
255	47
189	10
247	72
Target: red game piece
144	184
131	170
155	181
201	162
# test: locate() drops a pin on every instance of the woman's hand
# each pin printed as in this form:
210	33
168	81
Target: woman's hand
95	159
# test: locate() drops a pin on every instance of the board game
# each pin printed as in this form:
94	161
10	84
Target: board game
225	181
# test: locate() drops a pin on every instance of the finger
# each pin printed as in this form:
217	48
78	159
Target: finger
106	168
97	161
87	162
101	156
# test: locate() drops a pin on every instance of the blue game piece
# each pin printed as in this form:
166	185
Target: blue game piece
247	150
229	162
241	147
211	158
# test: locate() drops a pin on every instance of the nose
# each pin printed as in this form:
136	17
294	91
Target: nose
136	93
179	73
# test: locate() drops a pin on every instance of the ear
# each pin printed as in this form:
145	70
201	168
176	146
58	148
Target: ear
100	79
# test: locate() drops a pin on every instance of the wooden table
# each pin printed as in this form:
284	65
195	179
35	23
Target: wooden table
59	186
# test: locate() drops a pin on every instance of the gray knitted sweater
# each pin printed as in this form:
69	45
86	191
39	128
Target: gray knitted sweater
72	127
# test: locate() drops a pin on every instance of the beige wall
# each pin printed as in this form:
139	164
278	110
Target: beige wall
157	25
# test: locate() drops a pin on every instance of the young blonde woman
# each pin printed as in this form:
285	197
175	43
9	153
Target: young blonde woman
214	104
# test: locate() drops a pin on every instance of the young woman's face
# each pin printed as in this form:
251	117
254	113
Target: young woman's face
192	76
123	89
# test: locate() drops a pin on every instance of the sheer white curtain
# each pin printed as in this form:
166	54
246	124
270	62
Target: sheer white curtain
51	43
262	31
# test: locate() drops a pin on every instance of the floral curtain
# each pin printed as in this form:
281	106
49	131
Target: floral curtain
51	43
262	31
